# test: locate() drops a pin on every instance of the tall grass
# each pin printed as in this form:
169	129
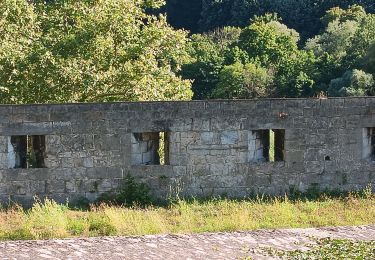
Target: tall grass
51	220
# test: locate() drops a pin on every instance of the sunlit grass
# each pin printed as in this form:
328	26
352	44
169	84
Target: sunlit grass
51	220
330	249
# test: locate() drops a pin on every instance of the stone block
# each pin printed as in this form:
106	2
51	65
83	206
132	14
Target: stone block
97	173
229	137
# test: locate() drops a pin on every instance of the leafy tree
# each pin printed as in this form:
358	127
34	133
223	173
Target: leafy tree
297	76
302	15
243	81
270	42
361	42
274	45
336	39
369	60
353	13
352	83
18	30
343	47
209	53
348	35
100	50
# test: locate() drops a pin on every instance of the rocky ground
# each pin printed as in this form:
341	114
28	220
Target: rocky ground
237	245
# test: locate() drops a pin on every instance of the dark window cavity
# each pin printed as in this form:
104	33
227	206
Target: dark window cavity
266	145
151	148
27	151
369	143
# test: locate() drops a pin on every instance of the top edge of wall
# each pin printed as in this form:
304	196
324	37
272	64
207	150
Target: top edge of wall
186	101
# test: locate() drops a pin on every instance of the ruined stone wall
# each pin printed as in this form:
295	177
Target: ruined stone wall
212	148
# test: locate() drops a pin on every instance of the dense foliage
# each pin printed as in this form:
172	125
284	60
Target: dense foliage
109	50
301	15
79	51
267	58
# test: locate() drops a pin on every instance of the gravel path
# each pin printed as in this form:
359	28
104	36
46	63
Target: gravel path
237	245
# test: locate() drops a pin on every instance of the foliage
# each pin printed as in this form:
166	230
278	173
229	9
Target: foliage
302	15
208	52
219	63
270	42
332	249
79	51
352	83
353	13
362	42
82	51
129	194
369	59
243	81
336	39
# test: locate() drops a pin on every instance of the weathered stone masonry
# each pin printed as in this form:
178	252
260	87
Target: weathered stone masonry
211	148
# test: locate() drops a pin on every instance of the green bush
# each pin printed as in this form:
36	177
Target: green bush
131	193
100	225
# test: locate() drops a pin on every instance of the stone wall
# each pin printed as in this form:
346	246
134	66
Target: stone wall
212	148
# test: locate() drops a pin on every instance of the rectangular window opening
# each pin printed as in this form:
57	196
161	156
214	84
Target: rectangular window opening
150	148
27	151
369	143
266	145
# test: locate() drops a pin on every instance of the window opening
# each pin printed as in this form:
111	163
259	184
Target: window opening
27	151
150	148
266	145
369	143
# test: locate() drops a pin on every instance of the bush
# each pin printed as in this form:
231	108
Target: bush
100	225
130	194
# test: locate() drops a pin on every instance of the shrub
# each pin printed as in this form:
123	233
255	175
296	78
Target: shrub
131	193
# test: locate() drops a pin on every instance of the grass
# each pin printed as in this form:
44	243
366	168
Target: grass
331	249
50	220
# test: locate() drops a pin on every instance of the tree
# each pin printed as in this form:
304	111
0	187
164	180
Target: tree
18	30
269	42
336	39
301	15
102	50
362	41
343	47
353	13
209	54
238	81
352	83
369	59
274	46
297	76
